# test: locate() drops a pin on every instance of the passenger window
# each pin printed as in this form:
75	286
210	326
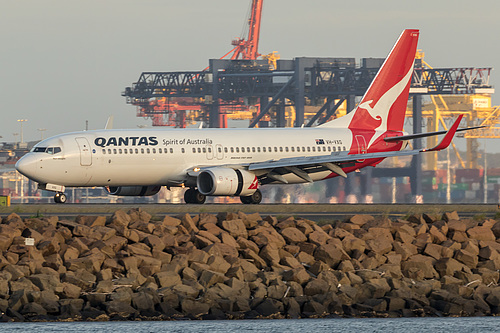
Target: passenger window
142	150
194	150
275	149
232	150
314	149
298	149
253	149
258	149
182	150
225	150
147	150
154	151
263	149
137	150
104	151
329	148
281	149
160	150
286	149
219	149
125	151
333	149
204	150
237	149
324	148
293	149
344	148
304	149
119	151
308	149
109	151
171	150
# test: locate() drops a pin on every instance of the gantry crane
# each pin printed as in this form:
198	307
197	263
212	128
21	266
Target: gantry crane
476	105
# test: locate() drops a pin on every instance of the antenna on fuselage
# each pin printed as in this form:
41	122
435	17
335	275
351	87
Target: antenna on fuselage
109	123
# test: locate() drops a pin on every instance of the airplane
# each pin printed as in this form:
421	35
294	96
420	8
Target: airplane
236	162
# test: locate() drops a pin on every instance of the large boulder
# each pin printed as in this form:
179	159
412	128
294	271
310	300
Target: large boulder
330	254
167	279
235	228
481	233
188	223
194	308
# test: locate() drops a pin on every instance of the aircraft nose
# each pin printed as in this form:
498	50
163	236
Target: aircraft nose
27	165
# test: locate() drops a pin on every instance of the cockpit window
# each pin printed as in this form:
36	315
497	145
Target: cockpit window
48	150
39	149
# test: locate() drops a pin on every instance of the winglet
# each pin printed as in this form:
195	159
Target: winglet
448	137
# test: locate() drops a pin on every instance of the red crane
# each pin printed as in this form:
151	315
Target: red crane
167	112
248	49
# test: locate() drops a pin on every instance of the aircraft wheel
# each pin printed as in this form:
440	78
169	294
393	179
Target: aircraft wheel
199	198
188	196
245	200
193	196
60	197
255	198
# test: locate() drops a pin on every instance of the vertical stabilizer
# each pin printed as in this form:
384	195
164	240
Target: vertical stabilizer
383	106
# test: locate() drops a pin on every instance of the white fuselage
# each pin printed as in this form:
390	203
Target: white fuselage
164	156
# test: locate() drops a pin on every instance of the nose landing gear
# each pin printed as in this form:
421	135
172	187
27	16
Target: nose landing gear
60	198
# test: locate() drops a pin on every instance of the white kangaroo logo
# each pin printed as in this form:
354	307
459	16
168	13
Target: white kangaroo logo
381	109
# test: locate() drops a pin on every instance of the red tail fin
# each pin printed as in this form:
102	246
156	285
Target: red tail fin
383	106
386	98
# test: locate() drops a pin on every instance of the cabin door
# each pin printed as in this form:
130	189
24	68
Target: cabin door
360	140
85	153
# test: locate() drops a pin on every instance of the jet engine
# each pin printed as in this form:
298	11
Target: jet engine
226	181
133	191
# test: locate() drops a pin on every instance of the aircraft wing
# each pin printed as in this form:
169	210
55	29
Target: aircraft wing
339	158
333	162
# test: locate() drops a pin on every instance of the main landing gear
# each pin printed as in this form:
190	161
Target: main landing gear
193	196
60	198
255	198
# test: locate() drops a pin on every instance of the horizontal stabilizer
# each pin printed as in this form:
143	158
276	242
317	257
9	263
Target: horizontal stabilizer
424	135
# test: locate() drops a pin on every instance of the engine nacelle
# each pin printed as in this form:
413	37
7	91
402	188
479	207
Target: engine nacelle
226	181
133	191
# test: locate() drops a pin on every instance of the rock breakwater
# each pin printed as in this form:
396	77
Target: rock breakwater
234	265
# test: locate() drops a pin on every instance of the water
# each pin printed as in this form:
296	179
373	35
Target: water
406	325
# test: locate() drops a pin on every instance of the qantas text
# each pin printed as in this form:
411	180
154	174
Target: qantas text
126	141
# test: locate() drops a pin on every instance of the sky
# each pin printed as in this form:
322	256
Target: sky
63	62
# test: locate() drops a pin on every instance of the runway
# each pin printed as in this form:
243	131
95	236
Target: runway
316	212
